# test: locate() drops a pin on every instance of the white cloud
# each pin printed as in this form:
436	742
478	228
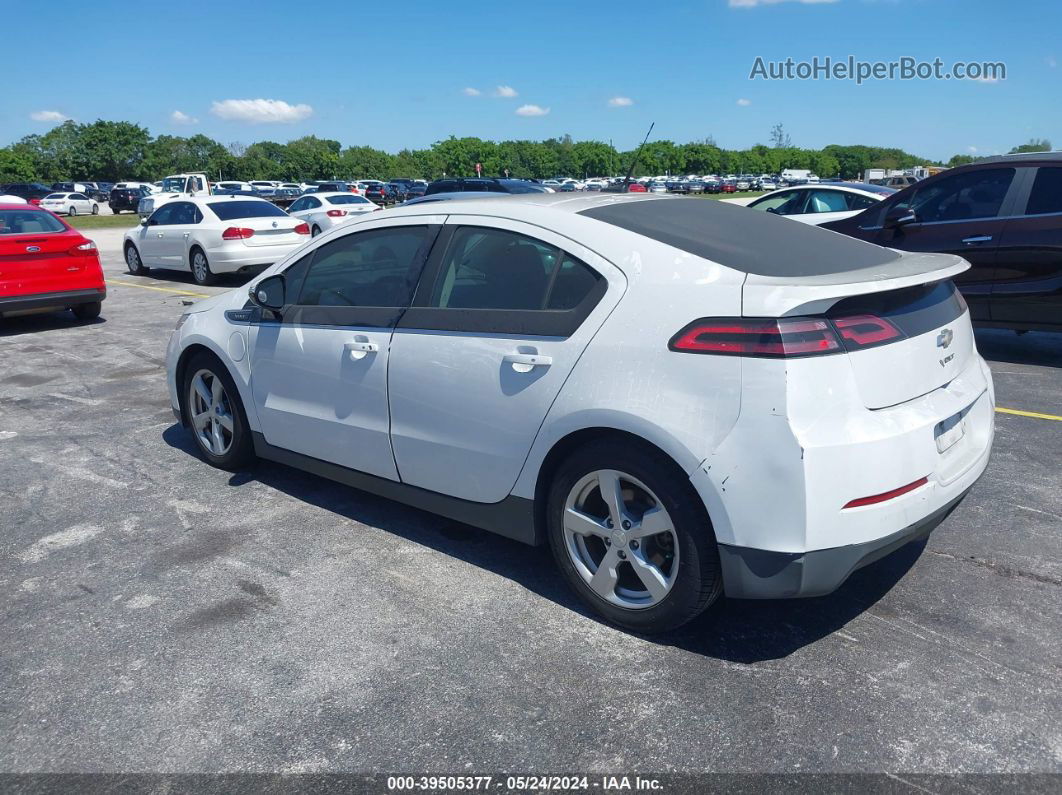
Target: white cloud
471	92
48	115
505	92
621	102
744	102
179	117
260	111
971	149
754	3
531	110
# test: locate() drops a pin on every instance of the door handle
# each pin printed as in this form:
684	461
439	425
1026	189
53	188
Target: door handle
159	234
976	241
359	349
526	362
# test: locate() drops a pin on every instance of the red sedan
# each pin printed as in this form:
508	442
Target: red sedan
46	264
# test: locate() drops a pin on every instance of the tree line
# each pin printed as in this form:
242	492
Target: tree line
118	150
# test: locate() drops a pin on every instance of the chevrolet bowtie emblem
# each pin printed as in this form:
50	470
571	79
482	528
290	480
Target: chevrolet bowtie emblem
945	337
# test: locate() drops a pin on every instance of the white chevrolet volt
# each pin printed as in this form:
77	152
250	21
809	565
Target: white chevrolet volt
683	398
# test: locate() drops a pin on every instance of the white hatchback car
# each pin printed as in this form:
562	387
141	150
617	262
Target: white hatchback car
819	204
69	204
684	398
322	211
209	235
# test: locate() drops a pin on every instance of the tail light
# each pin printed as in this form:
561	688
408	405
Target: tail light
86	249
237	233
303	229
336	213
785	337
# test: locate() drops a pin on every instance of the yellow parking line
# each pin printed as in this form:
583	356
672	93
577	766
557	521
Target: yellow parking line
160	289
1032	414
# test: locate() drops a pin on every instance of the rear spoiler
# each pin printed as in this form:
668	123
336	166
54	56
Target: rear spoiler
778	296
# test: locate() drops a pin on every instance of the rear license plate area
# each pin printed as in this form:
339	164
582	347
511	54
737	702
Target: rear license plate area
951	431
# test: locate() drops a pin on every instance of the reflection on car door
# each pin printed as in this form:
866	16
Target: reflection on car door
959	214
151	236
173	240
1028	285
319	373
503	313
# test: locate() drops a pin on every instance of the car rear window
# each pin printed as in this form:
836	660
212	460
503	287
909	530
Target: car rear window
753	242
56	196
351	199
28	222
227	211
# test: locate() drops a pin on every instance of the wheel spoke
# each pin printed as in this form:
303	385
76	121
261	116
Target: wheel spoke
652	578
200	420
204	393
612	493
217	392
217	440
605	578
654	521
226	421
581	524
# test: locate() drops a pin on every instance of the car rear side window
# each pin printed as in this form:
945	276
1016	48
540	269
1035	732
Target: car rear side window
1046	196
231	210
28	222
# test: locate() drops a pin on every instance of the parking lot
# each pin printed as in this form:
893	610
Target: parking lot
163	615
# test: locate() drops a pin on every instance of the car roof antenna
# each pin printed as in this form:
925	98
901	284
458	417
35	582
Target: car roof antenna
634	161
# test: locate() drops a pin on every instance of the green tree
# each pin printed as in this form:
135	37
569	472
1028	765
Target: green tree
1034	145
16	166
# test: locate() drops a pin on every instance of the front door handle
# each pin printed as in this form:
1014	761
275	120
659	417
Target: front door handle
159	234
976	241
360	348
526	362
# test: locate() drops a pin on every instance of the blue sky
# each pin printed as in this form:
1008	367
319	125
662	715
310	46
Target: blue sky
395	75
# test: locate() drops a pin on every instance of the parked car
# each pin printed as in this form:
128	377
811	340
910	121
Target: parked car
234	185
47	265
377	192
122	199
337	186
1002	215
768	184
69	204
284	197
728	186
416	189
899	182
32	192
653	507
322	211
486	184
209	235
441	197
819	204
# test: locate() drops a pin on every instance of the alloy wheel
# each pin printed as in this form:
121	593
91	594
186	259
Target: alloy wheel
200	268
621	539
210	411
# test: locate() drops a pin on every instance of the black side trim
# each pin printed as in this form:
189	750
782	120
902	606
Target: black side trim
513	517
18	303
762	574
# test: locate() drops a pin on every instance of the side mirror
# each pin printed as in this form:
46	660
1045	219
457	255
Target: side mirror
143	221
269	293
898	216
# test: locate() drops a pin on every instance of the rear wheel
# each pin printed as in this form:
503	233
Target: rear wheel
133	263
632	537
72	210
315	231
201	268
87	311
215	414
95	209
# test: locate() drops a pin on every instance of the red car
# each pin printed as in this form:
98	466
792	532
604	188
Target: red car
636	187
46	264
728	186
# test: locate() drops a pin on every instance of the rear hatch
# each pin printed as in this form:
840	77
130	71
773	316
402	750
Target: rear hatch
905	326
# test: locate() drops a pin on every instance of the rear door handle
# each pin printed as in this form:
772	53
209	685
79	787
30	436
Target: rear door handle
526	362
359	349
976	241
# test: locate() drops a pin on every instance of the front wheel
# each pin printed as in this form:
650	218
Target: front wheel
213	411
95	209
133	263
632	537
201	269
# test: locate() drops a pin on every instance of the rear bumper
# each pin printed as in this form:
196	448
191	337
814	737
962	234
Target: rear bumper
67	298
763	574
248	258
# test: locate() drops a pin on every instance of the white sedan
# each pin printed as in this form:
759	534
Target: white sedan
322	211
209	235
819	204
682	398
69	204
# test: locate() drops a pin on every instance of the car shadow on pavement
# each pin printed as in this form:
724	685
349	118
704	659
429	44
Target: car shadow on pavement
1043	348
36	324
739	631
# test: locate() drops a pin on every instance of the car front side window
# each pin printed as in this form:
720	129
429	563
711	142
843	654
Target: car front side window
961	197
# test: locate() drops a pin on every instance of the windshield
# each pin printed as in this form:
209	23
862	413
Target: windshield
173	185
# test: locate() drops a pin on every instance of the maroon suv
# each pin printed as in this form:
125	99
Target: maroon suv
1004	215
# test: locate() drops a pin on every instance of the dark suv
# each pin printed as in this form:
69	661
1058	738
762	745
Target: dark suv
1004	215
483	185
32	192
126	199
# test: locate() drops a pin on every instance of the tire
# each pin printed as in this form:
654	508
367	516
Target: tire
681	562
315	231
95	209
133	263
87	311
223	437
201	268
71	211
